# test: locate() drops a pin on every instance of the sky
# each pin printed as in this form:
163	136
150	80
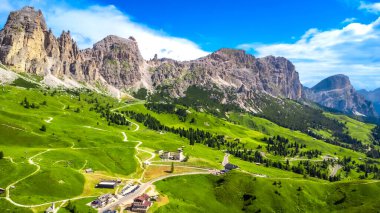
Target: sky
321	37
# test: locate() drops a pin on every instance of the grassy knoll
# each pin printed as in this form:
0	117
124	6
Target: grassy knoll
274	129
207	122
356	129
237	192
7	207
77	139
49	185
77	206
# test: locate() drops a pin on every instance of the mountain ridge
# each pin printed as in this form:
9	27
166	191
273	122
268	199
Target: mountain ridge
116	64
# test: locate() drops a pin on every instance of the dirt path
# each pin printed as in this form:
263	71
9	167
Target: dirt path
225	159
90	127
31	162
49	120
10	159
335	169
125	137
12	127
133	123
189	167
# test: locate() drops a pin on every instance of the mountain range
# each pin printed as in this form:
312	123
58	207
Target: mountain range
115	65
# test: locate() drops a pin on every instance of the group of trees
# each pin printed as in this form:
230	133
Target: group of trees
296	116
373	153
104	109
1	155
368	168
167	108
198	98
27	105
315	169
278	145
193	135
342	139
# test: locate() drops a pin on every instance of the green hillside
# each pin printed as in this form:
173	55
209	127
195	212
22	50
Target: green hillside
238	192
48	137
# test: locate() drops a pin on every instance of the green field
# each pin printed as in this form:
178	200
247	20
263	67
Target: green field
49	137
357	129
238	192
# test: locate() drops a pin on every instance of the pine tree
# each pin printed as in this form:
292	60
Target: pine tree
43	128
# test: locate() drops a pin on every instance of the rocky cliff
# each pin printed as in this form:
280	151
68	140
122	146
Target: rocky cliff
337	92
373	96
229	68
27	45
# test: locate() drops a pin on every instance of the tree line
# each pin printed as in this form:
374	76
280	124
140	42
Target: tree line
167	108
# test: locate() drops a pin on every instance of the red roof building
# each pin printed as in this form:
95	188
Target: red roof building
141	203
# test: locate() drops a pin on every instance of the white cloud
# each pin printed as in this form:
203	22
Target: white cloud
96	22
370	7
90	25
352	50
348	20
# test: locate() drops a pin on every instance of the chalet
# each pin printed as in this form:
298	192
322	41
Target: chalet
107	184
177	156
89	170
141	203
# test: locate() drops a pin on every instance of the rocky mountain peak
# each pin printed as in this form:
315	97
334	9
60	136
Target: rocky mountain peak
337	92
232	55
339	81
27	45
27	19
23	40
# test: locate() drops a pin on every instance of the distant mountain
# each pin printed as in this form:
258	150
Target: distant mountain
373	96
337	92
116	66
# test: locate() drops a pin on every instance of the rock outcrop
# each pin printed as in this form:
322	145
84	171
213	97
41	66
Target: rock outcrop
230	69
373	96
337	92
27	45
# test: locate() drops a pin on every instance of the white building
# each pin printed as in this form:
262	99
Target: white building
178	156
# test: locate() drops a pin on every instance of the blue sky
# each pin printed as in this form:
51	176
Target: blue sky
321	37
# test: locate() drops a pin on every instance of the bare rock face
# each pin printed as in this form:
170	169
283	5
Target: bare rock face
118	61
337	92
230	69
27	45
23	41
373	96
